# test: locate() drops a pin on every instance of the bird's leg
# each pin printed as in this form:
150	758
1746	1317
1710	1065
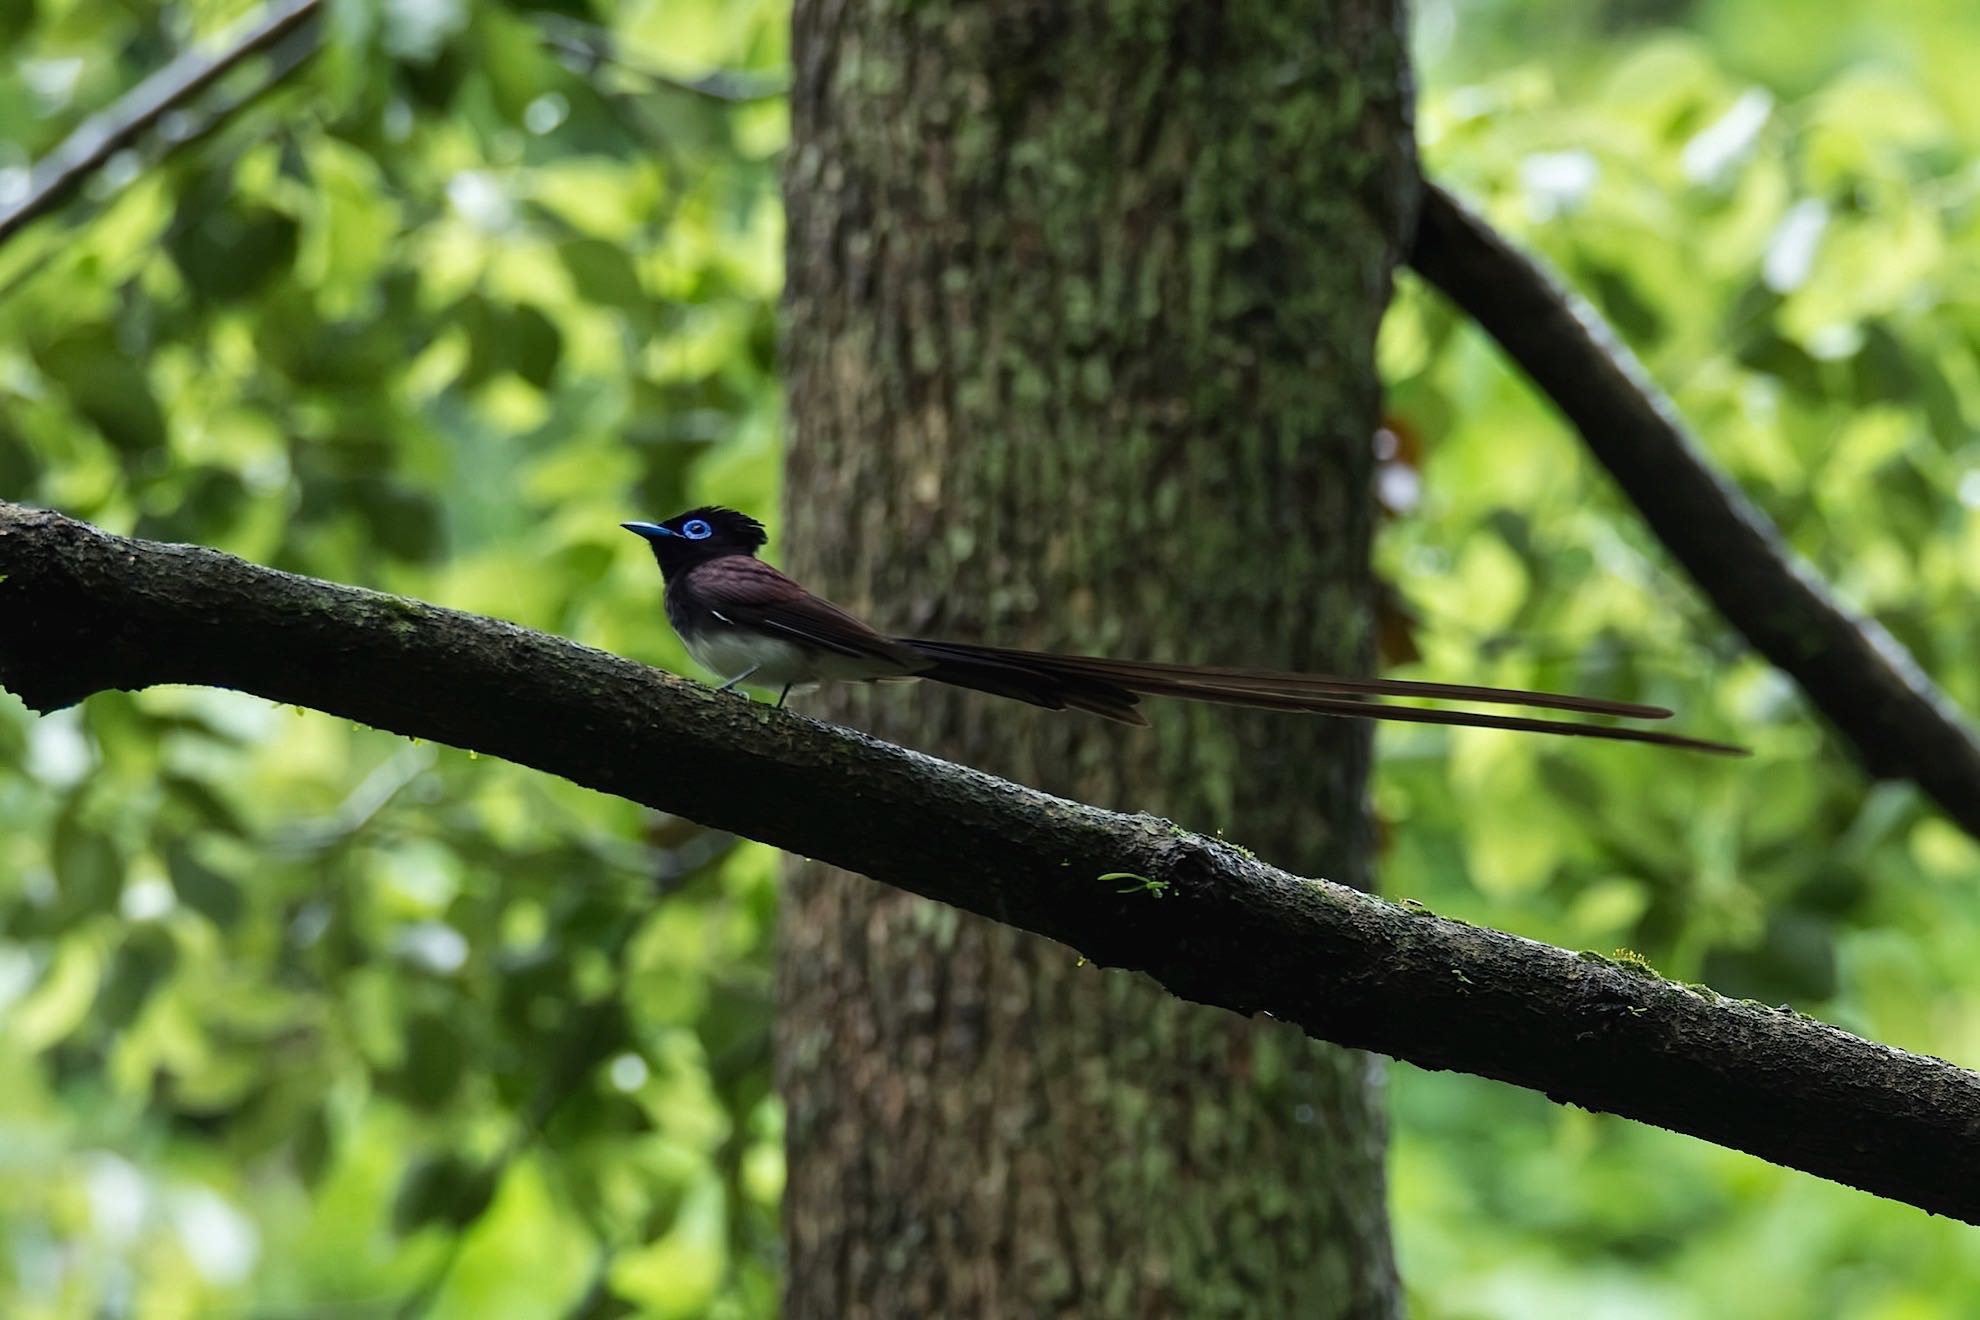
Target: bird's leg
785	693
738	678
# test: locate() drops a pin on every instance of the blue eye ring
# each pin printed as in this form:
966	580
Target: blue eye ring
696	529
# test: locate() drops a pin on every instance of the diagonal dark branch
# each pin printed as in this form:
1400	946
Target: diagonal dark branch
82	611
145	107
1856	674
97	139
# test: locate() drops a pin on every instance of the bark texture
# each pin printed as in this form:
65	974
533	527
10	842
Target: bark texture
1081	312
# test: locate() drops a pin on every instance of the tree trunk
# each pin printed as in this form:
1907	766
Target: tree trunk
1081	308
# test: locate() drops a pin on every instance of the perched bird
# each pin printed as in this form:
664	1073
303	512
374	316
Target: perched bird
742	619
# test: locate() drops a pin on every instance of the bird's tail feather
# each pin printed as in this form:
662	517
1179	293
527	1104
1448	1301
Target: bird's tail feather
1026	676
1111	688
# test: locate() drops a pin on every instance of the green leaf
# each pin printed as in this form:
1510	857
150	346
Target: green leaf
16	18
18	465
602	272
312	1144
442	1189
434	1062
106	384
507	338
1766	351
1616	294
403	522
205	803
535	345
141	962
89	871
206	891
229	253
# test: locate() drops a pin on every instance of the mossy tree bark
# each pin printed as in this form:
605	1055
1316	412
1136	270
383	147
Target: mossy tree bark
1081	312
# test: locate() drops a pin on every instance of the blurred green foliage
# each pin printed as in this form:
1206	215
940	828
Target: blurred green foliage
300	1015
1776	211
296	1015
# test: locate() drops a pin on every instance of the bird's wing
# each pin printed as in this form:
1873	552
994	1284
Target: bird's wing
748	593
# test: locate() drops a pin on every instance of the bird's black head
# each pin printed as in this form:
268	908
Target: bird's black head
699	535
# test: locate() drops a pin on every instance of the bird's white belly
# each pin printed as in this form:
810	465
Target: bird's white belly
727	653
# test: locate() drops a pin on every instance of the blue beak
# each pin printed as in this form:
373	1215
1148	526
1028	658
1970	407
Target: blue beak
647	530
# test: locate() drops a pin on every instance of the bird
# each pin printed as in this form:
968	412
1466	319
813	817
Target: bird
741	619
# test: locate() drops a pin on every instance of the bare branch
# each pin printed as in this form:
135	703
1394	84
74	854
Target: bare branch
584	47
145	108
1855	673
102	136
82	611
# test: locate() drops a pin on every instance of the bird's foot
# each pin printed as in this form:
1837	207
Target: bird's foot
730	685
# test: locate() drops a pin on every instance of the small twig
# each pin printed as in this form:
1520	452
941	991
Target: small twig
587	46
1853	671
102	136
146	107
281	64
372	795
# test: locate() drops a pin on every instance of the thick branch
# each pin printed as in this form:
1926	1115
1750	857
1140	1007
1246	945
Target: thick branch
82	611
116	129
1861	679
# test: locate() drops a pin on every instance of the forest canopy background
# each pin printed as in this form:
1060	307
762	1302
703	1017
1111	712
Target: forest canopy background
294	1012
